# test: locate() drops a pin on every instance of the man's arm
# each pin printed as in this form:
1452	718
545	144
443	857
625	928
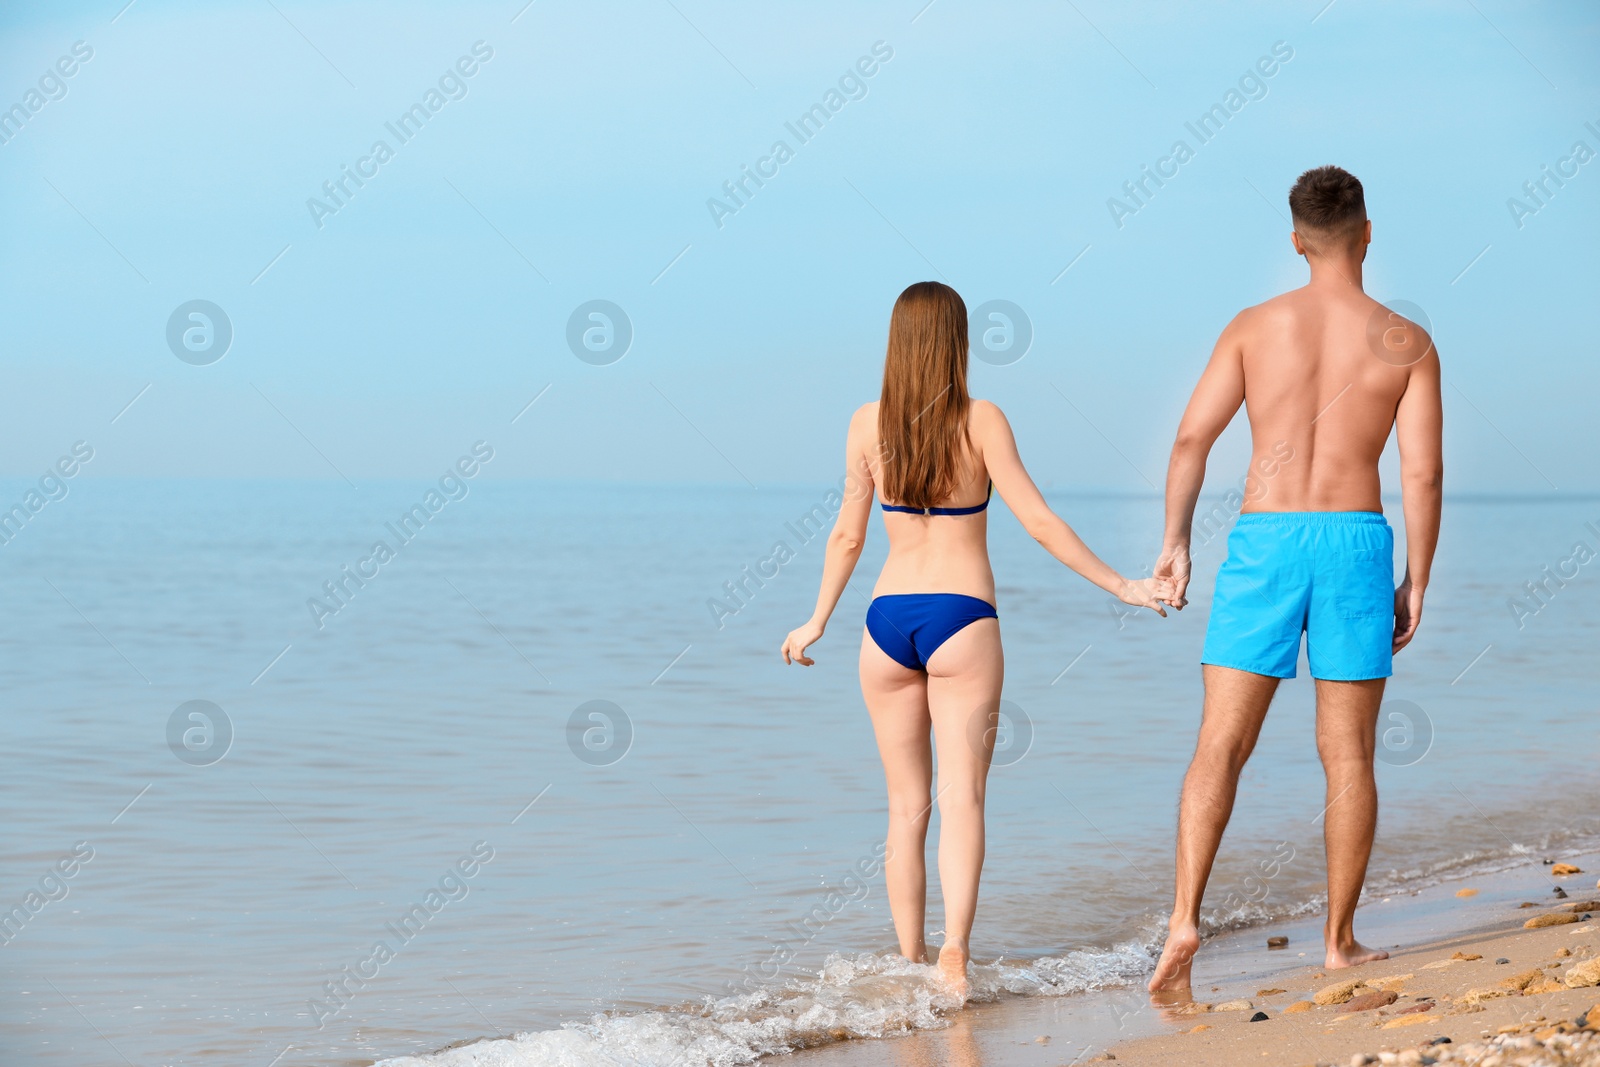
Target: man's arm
1419	431
1216	400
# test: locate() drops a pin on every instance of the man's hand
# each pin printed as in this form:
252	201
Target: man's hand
1407	613
1173	566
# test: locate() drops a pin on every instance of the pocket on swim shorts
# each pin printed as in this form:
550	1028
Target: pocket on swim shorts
1365	589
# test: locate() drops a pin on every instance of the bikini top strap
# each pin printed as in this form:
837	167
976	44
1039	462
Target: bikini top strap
973	510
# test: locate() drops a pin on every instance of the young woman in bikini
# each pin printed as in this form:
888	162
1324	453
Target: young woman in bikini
931	656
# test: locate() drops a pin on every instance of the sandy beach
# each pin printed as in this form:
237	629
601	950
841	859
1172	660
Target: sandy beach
1499	970
1450	1001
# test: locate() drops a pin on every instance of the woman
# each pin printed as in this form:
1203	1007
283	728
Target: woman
931	653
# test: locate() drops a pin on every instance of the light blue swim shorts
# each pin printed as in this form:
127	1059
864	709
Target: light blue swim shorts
1329	574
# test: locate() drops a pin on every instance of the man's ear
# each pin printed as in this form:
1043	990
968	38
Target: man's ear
1294	239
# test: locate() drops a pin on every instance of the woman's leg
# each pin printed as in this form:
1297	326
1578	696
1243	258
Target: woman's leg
964	677
897	700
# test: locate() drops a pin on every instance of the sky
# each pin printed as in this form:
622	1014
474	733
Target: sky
379	331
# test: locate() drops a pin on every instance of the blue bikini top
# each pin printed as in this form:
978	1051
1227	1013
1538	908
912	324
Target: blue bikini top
942	511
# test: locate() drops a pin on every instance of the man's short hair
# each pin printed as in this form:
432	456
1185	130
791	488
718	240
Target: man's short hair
1327	199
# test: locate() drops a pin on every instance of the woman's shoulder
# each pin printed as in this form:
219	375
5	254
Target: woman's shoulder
866	414
985	413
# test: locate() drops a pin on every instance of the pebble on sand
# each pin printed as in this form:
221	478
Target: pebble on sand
1405	1020
1583	975
1369	1001
1522	981
1563	869
1277	941
1552	918
1200	1029
1235	1005
1298	1006
1340	992
1414	1009
1269	992
1259	1017
1466	892
1459	957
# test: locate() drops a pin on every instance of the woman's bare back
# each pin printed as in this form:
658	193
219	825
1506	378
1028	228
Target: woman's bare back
938	553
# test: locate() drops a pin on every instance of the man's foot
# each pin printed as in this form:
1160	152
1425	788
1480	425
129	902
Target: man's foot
953	969
1172	973
1351	954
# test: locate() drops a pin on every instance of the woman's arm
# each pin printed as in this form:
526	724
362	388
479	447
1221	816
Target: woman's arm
991	435
845	541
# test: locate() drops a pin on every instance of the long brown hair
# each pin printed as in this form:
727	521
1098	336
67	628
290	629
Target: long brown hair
922	415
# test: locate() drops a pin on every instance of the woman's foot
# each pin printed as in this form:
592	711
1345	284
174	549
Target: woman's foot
953	969
1351	953
1172	972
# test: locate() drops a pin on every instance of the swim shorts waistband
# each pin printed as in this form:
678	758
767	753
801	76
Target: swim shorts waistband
1310	518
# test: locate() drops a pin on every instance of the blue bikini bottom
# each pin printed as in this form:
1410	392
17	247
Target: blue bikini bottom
910	627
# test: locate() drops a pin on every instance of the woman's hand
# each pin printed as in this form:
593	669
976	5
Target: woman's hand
794	646
1152	593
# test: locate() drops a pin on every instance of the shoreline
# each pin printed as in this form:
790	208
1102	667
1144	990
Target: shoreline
1236	968
1044	1013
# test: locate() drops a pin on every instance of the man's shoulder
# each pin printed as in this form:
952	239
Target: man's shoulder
1284	305
1288	308
1251	319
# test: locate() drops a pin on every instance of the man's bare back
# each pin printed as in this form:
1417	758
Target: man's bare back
1312	383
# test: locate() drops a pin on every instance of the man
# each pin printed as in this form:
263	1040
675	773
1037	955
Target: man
1324	373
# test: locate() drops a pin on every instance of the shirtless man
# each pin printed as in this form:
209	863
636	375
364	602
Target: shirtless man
1324	373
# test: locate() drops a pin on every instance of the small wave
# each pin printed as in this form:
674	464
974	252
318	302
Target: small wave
851	997
866	995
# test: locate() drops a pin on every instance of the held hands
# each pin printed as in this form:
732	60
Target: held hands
794	646
1407	613
1152	593
1173	565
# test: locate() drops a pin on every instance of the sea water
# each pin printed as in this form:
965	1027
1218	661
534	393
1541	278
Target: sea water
275	797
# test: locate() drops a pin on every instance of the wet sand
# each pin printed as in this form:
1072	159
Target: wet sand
1444	974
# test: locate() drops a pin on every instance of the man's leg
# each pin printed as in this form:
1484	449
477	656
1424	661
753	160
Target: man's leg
1235	707
1347	727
